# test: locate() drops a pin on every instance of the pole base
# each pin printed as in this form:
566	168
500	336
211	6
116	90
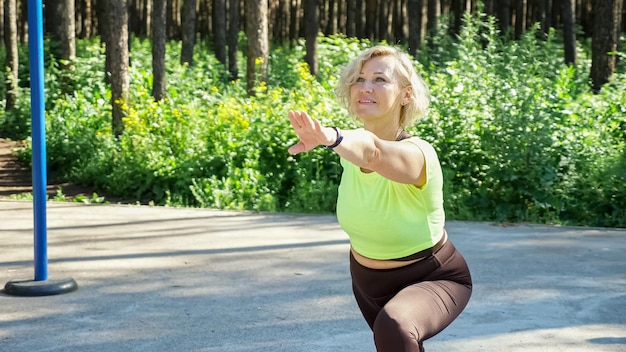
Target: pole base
31	288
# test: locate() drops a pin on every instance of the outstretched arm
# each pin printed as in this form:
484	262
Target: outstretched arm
399	162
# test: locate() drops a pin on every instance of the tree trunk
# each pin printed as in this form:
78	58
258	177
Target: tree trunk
258	44
350	18
117	51
340	23
415	26
458	10
543	16
2	22
433	14
11	60
294	28
22	22
520	18
158	49
371	7
358	20
67	42
219	30
233	38
281	27
104	23
400	26
147	16
172	15
489	7
311	26
83	18
569	31
331	23
606	29
585	15
383	21
189	32
547	24
53	13
67	33
504	15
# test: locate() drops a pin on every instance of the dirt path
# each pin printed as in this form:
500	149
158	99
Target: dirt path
16	179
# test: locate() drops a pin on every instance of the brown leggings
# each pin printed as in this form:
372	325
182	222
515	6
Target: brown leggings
408	305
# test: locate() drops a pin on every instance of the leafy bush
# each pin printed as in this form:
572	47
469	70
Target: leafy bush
520	136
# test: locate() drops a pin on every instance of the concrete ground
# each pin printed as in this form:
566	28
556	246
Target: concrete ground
171	279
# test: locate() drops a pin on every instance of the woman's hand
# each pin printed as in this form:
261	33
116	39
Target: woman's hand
310	132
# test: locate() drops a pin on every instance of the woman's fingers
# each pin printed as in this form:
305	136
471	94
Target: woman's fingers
294	119
300	120
296	148
307	130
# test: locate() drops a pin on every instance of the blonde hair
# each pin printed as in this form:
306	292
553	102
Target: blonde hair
415	109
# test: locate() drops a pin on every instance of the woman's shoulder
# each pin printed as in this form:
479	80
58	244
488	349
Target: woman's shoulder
415	139
424	145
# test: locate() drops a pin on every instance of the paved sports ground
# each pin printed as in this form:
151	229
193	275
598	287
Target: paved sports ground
169	279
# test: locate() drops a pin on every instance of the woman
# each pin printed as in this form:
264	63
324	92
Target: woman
407	277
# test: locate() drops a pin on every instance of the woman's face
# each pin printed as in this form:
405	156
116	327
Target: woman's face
376	95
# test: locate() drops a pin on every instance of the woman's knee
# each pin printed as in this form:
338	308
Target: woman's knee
394	332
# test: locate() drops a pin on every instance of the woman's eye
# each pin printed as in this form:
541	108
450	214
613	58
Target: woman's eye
360	79
380	79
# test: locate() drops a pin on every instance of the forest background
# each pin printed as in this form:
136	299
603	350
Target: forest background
184	103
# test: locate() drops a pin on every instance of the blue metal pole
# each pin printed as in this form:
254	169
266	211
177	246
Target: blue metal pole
40	286
38	123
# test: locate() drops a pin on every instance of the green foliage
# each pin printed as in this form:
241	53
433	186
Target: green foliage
520	136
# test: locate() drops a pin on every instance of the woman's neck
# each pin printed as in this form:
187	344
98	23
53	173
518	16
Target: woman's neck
387	132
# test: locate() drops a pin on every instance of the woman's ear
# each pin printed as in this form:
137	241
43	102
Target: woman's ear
407	95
